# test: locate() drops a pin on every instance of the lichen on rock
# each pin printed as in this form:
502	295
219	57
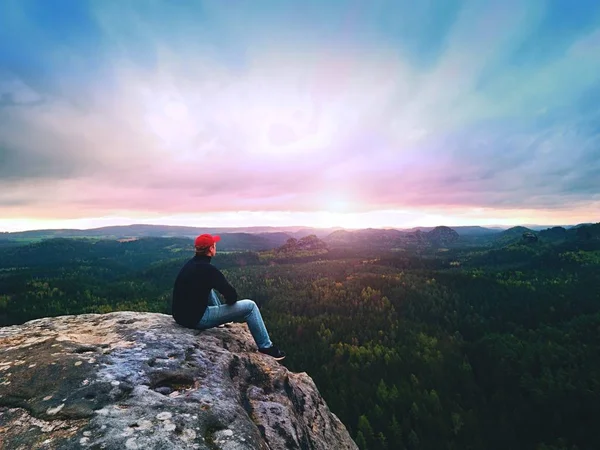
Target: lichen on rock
130	380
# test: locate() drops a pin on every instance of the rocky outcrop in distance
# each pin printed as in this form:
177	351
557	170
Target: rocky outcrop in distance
307	243
529	237
130	380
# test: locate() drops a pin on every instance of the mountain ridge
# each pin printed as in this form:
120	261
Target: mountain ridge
257	239
141	229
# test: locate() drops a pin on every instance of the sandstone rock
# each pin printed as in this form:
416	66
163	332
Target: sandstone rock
139	381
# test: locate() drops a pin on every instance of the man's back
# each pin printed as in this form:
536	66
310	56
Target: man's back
192	288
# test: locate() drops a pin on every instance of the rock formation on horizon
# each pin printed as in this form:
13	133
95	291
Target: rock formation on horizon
307	243
130	380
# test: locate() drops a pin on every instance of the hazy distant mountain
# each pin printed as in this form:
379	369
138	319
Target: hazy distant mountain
442	236
319	232
515	231
391	238
368	237
579	225
554	234
142	230
536	227
513	234
265	238
119	232
550	234
587	232
247	241
276	238
464	230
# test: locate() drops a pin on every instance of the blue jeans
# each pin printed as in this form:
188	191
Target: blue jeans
241	311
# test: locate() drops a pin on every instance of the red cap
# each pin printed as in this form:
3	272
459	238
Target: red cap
206	240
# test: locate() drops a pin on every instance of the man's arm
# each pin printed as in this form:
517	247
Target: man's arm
221	284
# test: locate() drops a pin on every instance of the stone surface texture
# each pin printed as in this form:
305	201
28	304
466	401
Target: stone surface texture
131	380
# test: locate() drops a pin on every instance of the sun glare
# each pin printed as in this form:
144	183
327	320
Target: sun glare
338	205
176	110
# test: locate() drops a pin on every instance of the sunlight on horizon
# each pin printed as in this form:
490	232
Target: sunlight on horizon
318	219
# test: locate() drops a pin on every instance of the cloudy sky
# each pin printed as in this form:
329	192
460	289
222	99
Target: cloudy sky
352	113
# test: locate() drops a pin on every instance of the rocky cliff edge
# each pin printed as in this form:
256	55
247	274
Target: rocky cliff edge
139	381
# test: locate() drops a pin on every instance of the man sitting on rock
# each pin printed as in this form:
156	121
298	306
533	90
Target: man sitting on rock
196	305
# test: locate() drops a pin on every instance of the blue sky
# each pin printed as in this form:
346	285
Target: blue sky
352	113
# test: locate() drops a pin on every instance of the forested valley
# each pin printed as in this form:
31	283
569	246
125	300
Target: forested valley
447	347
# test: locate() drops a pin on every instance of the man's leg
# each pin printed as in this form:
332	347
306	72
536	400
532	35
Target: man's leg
240	311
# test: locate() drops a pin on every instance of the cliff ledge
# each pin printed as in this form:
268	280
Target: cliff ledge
130	380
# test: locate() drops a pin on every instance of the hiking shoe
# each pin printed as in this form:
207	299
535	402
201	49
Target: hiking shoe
273	352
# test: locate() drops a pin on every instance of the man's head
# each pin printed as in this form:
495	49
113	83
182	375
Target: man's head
206	244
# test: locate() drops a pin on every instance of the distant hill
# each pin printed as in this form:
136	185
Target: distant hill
114	232
587	232
515	231
579	225
551	234
268	238
442	236
514	234
143	230
463	230
229	241
536	227
554	234
368	237
392	238
247	241
275	238
59	251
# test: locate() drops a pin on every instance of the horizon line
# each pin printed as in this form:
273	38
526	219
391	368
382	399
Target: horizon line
299	227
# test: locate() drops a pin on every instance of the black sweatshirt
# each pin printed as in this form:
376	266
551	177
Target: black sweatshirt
192	288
